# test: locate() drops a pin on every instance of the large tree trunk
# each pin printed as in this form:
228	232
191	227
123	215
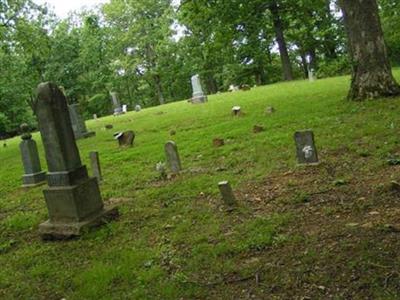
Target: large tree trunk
280	39
372	74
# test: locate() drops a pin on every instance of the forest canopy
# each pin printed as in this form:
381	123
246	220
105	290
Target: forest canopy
147	50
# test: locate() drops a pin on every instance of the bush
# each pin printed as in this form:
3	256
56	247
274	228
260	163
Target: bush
338	67
100	105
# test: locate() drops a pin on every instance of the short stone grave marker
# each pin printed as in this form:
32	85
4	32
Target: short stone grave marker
226	192
305	148
172	154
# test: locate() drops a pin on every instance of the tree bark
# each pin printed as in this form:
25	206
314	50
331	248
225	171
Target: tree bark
159	91
372	74
280	39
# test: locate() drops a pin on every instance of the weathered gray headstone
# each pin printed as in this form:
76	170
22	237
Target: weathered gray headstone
94	116
305	147
95	163
227	193
73	199
138	108
125	139
34	175
198	93
116	103
78	123
171	151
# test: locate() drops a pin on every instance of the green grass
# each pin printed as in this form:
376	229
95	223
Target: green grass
174	239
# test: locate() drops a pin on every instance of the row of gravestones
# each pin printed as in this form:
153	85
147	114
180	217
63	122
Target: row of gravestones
118	108
200	97
73	198
305	149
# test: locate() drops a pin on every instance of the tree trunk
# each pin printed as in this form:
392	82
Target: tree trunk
304	64
280	39
160	95
211	84
372	74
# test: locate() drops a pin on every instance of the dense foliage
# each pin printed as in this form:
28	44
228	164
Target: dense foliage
146	50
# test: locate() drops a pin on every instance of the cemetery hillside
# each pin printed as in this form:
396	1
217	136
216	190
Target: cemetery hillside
318	232
194	149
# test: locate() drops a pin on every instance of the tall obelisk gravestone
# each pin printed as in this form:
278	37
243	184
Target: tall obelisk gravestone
73	199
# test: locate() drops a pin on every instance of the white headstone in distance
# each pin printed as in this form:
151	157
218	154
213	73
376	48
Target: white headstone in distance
124	108
311	75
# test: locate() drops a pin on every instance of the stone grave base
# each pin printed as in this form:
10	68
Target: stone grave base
33	180
73	208
60	231
199	99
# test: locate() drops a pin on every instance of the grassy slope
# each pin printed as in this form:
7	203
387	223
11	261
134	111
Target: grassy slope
295	233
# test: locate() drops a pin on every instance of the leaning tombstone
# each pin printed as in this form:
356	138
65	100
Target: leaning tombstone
95	163
171	151
116	104
227	193
198	94
305	146
125	139
73	199
236	111
34	175
78	123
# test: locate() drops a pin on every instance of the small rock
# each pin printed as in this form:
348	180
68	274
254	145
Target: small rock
394	186
269	110
221	169
217	142
352	224
339	182
373	213
392	228
245	87
258	128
